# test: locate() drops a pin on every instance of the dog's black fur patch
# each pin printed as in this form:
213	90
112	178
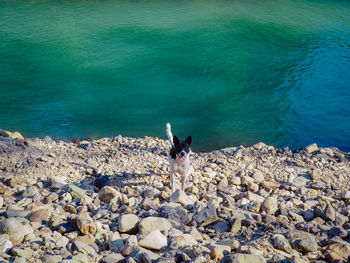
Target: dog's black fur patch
180	145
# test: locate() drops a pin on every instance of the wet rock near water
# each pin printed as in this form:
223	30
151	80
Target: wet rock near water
109	200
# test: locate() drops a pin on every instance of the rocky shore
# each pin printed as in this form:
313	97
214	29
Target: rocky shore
108	200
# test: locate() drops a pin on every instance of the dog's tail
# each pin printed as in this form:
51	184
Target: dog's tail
169	134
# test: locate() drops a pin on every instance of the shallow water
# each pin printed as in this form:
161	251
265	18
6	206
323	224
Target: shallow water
226	72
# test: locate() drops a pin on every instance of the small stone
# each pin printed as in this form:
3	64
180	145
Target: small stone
309	215
62	242
253	187
154	240
258	177
316	174
152	223
312	148
86	224
269	205
346	195
216	254
127	223
30	191
115	242
330	213
236	226
107	193
180	196
5	246
218	251
235	180
76	191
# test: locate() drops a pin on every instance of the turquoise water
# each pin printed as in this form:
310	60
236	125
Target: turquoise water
226	72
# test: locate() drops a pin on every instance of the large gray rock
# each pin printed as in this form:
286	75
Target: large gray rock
152	223
127	223
282	243
16	229
302	241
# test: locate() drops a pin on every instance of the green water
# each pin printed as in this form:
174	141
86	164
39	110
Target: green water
225	72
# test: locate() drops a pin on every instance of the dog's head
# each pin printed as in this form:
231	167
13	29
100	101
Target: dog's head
181	148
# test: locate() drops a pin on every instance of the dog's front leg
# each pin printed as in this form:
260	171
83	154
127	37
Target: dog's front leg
172	179
184	179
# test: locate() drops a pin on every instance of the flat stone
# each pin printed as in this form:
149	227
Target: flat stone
243	258
112	258
154	240
270	184
24	253
181	197
182	241
301	181
51	259
151	223
255	197
39	216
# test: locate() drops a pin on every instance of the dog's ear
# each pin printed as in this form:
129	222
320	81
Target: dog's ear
189	140
176	140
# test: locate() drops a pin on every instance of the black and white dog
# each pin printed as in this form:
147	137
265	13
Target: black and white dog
179	158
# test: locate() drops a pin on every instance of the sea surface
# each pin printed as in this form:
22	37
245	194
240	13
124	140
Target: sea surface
228	73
